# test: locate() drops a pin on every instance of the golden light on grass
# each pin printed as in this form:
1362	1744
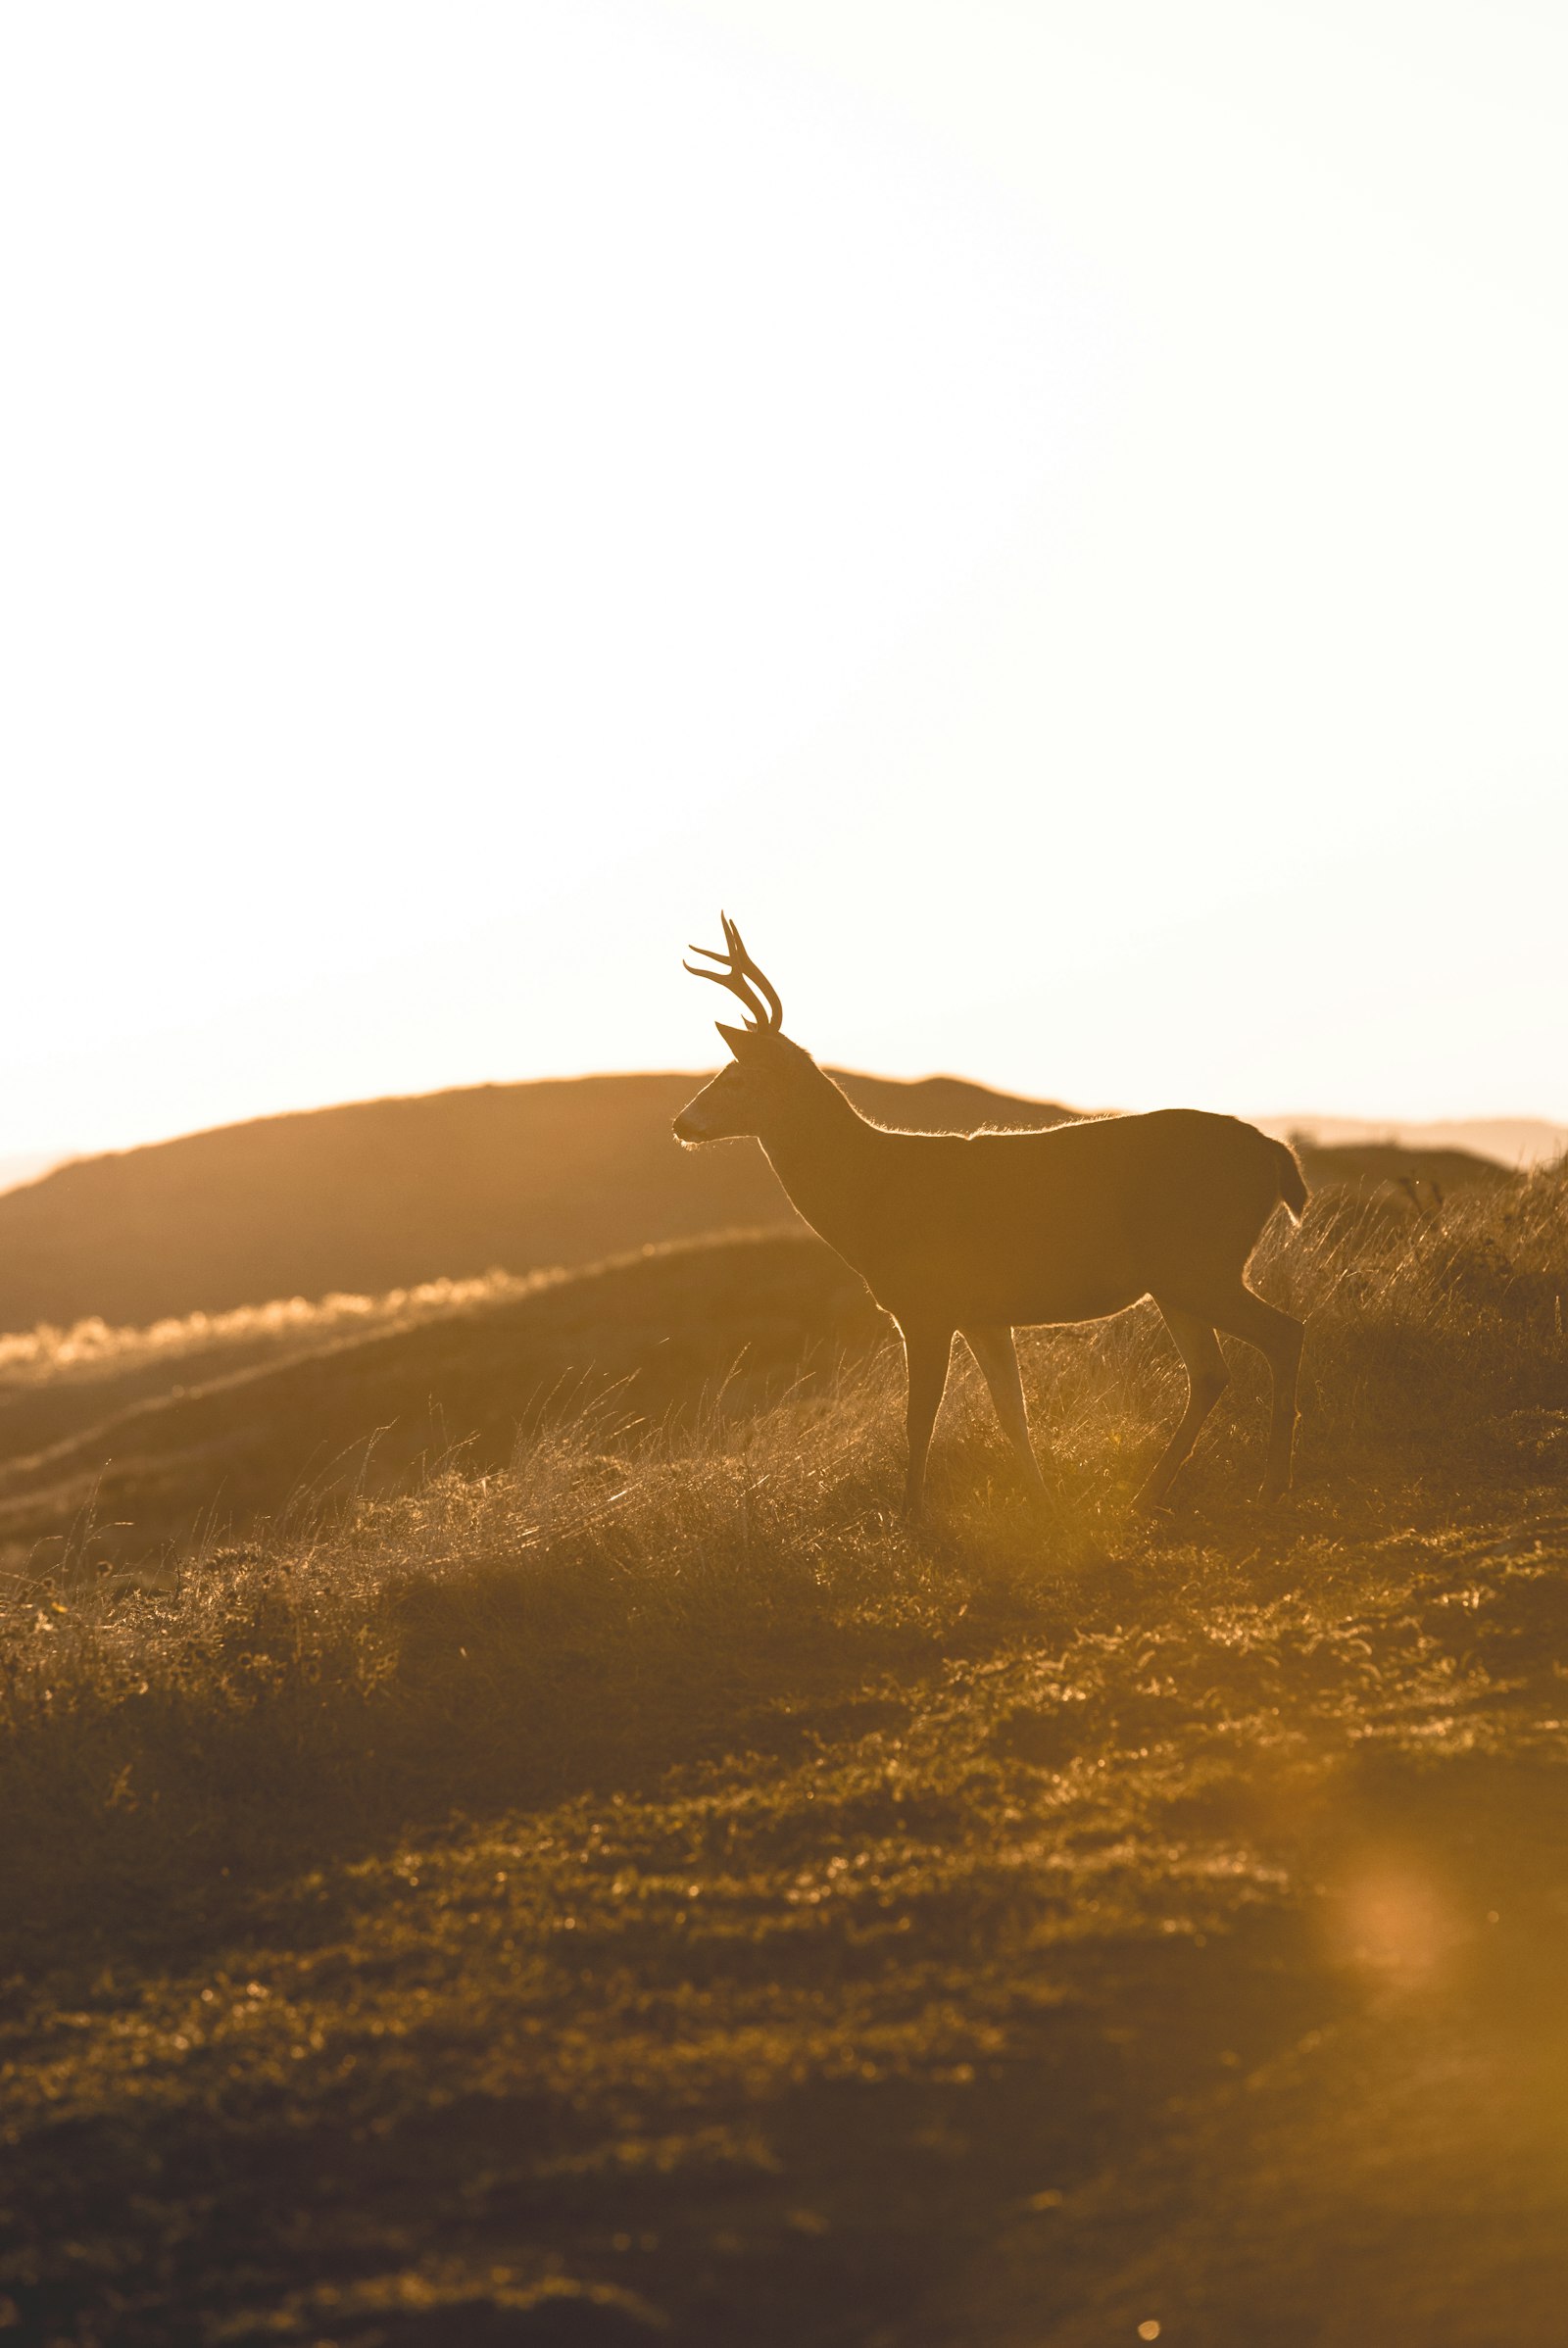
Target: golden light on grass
1395	1923
707	1847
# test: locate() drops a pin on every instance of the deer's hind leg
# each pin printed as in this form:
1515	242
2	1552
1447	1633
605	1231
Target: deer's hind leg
996	1351
1278	1337
1206	1380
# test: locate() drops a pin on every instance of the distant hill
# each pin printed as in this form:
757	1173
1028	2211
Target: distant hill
666	1328
378	1194
1511	1141
1425	1176
25	1165
383	1193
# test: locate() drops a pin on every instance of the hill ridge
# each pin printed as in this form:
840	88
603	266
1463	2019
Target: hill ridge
412	1189
371	1195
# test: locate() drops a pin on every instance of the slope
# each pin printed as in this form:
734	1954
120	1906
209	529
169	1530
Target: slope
380	1193
665	1327
667	1897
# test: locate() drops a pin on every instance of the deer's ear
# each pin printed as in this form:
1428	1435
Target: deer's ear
737	1038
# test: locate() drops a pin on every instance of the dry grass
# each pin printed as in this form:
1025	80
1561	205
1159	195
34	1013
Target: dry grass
713	1849
428	1648
92	1349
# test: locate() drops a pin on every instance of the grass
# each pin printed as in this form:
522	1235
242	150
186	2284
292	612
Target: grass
89	1347
129	1471
652	1884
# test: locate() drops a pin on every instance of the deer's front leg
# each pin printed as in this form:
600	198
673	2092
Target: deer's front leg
926	1354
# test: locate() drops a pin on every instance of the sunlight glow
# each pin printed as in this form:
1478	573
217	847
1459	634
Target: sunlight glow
1393	1923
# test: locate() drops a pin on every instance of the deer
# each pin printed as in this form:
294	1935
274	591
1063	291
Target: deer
979	1235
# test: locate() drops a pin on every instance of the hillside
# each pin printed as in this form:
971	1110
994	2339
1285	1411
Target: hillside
1424	1176
384	1194
25	1165
381	1195
667	1327
114	1443
651	1894
1517	1142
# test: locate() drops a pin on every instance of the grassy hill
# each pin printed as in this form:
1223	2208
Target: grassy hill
114	1443
1425	1176
383	1194
1516	1142
649	1892
113	1474
387	1194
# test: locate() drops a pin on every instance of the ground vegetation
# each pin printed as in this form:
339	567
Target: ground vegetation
647	1889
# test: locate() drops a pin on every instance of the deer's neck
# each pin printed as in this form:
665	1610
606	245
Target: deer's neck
822	1156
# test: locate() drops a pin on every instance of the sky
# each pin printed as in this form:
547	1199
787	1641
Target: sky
1055	515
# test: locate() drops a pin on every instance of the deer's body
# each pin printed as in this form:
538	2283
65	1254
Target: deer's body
1067	1225
990	1232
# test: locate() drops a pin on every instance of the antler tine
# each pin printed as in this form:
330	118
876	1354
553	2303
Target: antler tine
760	978
768	1012
731	978
736	986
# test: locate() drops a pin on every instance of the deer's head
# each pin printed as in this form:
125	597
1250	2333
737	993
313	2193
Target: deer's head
766	1069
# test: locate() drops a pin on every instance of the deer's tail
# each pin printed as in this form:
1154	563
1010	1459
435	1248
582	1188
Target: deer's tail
1293	1187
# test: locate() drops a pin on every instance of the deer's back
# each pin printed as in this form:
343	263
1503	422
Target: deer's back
1069	1224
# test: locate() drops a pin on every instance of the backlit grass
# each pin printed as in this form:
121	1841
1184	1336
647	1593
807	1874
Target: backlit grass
655	1873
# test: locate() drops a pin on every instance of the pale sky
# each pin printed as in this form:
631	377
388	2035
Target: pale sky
1055	515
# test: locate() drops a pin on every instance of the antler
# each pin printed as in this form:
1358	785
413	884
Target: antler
741	970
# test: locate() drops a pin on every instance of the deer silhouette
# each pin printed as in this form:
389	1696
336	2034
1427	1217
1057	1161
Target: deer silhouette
985	1233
